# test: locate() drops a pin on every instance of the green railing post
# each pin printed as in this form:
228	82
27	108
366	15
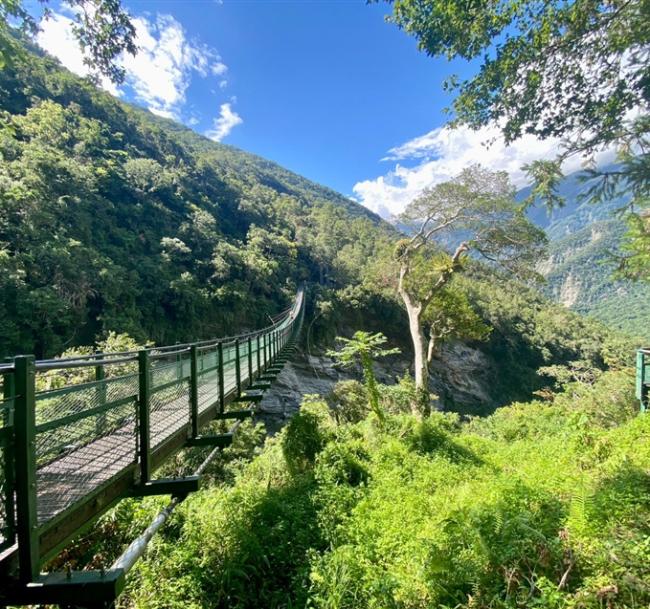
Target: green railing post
179	365
641	387
9	395
100	375
250	360
25	459
144	415
257	352
264	347
237	368
222	392
194	390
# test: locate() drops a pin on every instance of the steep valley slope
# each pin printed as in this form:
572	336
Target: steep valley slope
115	220
584	239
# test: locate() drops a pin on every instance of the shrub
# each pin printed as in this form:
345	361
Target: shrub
349	402
401	397
306	434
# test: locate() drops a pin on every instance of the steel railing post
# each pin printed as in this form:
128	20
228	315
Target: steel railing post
222	392
258	356
250	360
9	395
25	463
237	368
194	390
264	347
144	415
100	375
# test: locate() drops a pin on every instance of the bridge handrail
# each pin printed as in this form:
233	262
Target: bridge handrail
120	357
145	412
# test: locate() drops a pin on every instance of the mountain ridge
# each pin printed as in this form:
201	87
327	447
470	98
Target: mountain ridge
584	239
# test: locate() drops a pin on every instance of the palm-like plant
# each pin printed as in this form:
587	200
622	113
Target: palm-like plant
364	348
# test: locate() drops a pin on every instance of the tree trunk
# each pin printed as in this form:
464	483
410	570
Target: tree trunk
414	312
431	350
420	360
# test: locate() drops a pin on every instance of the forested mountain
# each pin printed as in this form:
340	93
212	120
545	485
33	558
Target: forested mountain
115	219
583	241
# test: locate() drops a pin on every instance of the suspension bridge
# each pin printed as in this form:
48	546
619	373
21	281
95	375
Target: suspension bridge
79	434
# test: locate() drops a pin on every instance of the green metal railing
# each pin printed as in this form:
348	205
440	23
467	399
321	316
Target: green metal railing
643	377
96	434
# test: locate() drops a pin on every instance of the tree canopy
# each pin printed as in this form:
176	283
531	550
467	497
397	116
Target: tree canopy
546	68
102	27
474	213
578	71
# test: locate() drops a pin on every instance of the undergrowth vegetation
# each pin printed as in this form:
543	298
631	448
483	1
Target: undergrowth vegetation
544	504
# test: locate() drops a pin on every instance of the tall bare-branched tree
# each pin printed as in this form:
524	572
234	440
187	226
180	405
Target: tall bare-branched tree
475	214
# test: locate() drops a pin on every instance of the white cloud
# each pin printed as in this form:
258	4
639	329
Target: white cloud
219	68
56	37
442	153
227	120
160	73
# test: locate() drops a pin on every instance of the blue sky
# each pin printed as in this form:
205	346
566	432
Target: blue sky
325	88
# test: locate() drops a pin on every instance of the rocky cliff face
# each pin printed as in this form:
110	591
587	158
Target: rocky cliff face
313	374
569	291
460	377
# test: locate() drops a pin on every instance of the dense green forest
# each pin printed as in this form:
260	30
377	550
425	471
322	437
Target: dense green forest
114	219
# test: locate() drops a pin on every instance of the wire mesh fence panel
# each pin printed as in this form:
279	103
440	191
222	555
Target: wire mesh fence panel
229	375
208	359
170	401
243	360
83	438
68	419
208	389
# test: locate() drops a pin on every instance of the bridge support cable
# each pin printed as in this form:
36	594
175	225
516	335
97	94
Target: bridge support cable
68	453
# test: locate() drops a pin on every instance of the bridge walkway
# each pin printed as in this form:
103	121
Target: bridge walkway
78	434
